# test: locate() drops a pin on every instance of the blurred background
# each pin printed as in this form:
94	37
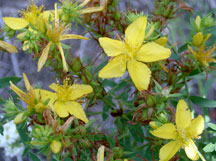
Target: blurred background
11	65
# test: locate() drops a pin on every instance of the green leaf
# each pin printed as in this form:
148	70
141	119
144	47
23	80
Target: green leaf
22	130
137	132
212	126
203	102
33	157
4	82
105	113
209	148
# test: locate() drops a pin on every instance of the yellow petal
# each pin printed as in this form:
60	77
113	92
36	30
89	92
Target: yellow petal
63	57
91	10
135	33
169	150
61	109
44	56
15	23
116	67
25	46
27	84
10	48
18	91
84	3
76	110
79	90
56	16
151	52
183	115
196	127
100	153
140	74
54	86
112	47
167	131
190	150
73	36
48	14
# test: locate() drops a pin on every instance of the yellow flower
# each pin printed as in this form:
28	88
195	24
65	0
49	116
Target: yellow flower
182	134
202	55
56	34
131	53
65	99
29	16
100	153
55	146
34	98
10	48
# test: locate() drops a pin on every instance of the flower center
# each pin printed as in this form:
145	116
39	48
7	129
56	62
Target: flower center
181	137
64	91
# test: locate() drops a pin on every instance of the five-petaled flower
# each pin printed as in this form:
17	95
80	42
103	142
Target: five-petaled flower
131	53
55	34
182	134
65	99
34	98
203	55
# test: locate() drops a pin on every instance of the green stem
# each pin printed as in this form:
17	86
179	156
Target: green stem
188	94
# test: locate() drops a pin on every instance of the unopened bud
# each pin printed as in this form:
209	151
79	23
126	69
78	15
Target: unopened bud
198	22
162	41
55	146
153	124
76	64
20	118
198	39
163	118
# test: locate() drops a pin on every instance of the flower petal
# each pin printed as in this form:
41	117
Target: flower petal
91	9
196	127
79	90
26	81
135	33
63	57
190	150
61	109
72	36
167	131
100	153
44	56
54	86
76	109
15	23
10	48
140	74
183	115
169	150
18	91
151	52
112	47
116	67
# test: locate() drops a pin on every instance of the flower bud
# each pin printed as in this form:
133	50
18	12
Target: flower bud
55	146
20	118
76	64
153	125
163	118
198	39
198	21
162	41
